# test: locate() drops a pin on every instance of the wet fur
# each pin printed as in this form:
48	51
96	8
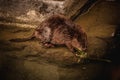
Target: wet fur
58	30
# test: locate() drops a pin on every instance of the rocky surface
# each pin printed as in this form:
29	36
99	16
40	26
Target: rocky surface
30	61
30	11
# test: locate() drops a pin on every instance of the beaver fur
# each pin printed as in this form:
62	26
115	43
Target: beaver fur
58	30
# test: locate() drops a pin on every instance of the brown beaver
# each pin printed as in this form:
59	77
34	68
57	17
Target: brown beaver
58	30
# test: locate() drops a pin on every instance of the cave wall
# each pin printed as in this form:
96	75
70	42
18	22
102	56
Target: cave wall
101	21
72	6
30	10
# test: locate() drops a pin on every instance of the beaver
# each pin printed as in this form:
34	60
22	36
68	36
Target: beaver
58	30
